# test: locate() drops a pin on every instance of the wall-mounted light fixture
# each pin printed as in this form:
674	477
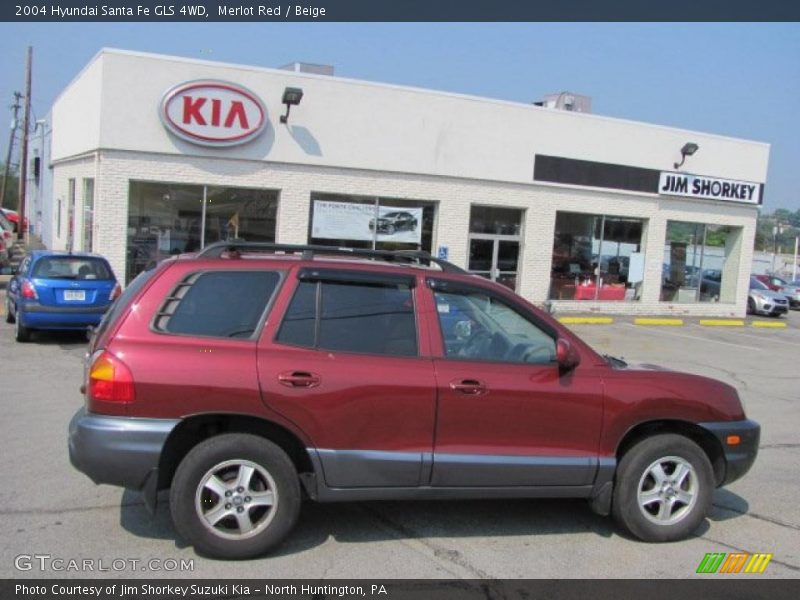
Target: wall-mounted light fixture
688	149
291	97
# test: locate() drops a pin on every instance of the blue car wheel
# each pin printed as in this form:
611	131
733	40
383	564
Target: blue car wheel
21	333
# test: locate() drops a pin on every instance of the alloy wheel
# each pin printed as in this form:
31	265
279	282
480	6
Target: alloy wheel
668	490
236	499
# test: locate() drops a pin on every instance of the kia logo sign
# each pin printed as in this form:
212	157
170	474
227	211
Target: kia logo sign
213	113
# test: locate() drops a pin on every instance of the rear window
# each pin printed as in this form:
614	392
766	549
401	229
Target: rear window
72	267
119	305
227	304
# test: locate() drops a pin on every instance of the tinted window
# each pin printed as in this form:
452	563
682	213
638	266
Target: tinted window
477	326
298	325
218	303
368	318
72	267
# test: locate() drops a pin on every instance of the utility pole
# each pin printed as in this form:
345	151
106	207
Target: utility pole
23	160
15	107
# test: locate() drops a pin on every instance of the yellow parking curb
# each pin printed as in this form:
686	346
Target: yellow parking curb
647	321
722	322
769	324
586	320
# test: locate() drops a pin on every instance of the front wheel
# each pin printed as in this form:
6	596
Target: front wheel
235	496
9	316
663	488
751	306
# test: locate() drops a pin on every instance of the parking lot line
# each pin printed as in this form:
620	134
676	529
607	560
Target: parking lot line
755	336
694	337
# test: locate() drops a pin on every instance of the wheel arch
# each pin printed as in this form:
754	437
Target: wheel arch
193	430
702	437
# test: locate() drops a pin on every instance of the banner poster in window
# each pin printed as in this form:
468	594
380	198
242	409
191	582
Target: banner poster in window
351	221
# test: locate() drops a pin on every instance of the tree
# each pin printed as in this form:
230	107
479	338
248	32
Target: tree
11	199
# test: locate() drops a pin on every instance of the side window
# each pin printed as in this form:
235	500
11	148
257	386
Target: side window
299	324
478	326
367	318
226	304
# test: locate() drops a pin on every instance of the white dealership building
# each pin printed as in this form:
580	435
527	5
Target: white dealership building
149	155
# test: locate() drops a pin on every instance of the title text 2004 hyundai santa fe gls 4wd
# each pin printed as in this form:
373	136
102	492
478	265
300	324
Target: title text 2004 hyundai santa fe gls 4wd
249	375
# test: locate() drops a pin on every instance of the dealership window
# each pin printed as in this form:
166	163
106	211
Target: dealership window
88	214
371	222
597	257
700	263
166	219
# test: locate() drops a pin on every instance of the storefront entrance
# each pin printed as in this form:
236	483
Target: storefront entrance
494	244
494	257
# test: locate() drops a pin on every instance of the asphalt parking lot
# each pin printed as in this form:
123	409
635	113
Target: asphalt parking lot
48	508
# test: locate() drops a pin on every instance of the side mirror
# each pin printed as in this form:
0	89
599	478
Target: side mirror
567	357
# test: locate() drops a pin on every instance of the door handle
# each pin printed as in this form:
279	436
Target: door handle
299	379
469	387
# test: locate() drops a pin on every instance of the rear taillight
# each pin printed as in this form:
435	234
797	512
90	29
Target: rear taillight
28	291
115	293
110	384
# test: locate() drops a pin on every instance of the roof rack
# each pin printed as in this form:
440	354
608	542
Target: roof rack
217	249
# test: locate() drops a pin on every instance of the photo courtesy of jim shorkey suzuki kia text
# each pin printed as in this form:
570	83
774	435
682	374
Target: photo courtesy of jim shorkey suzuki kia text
260	10
194	590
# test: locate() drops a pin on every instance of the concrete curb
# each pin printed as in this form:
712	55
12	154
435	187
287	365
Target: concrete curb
586	320
658	322
721	322
672	322
770	324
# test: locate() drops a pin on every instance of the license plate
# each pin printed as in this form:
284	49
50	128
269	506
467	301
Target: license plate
75	295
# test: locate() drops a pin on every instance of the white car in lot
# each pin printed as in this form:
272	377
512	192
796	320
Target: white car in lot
763	301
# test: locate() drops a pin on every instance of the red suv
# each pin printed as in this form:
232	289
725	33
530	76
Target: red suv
249	376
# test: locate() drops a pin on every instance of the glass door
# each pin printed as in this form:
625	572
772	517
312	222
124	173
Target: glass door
495	258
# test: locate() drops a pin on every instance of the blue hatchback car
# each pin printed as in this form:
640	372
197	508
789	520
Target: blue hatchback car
59	290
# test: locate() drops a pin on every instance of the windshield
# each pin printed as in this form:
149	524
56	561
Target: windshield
755	284
72	267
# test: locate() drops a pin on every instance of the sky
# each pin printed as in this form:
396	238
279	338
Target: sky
734	79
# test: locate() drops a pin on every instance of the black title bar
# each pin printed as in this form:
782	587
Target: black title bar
398	10
709	588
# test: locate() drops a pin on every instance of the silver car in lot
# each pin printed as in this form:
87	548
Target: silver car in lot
791	289
763	301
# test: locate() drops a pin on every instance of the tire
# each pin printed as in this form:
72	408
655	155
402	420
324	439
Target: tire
221	462
751	307
21	333
9	316
672	512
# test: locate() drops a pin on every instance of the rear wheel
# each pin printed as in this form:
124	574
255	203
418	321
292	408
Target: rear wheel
21	333
235	496
663	488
